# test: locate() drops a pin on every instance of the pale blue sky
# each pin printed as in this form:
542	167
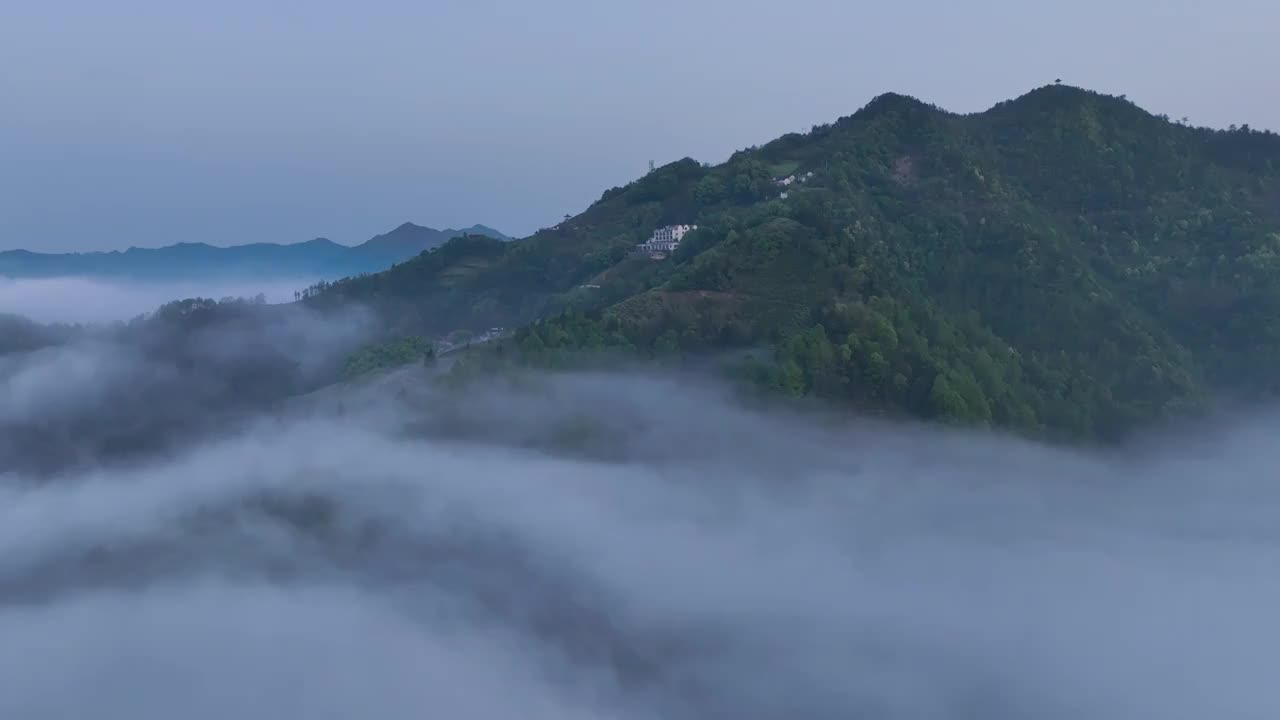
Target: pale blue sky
146	122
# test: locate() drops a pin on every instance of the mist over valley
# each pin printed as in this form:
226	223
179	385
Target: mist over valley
603	545
911	413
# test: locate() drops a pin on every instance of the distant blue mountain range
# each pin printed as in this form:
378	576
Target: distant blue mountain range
319	258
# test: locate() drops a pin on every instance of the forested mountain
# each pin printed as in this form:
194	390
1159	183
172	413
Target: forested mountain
18	334
187	261
1064	263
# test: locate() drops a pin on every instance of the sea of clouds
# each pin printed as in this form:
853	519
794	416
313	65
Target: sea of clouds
625	546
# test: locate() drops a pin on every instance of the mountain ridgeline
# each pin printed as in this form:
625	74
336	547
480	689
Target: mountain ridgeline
199	261
1064	264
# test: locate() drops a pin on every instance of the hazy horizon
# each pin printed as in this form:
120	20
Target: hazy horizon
94	300
296	241
153	124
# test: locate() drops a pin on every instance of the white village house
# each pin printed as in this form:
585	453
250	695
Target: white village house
665	239
788	180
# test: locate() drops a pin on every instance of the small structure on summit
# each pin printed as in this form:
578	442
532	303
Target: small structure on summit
665	239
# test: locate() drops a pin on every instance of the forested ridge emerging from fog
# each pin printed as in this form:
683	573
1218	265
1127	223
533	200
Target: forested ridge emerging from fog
1065	264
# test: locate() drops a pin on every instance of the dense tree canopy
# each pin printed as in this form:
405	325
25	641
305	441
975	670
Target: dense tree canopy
1064	263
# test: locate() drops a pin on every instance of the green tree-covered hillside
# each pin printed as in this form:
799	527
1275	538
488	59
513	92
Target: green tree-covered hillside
1063	263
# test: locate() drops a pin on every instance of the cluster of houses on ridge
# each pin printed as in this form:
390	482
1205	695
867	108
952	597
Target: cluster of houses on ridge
787	181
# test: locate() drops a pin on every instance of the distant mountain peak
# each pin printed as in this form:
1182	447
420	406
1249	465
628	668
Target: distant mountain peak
1061	96
892	101
893	98
412	227
486	230
315	258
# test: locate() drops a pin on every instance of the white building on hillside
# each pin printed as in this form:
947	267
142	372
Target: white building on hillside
666	239
788	180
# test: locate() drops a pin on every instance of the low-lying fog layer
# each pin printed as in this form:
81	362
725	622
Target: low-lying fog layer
89	300
620	547
77	397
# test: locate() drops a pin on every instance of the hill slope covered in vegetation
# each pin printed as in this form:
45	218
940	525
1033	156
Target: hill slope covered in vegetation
1064	263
